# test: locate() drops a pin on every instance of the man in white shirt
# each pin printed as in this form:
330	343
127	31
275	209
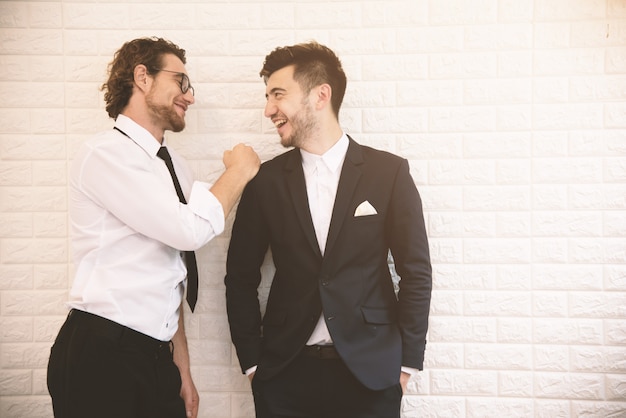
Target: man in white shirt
136	217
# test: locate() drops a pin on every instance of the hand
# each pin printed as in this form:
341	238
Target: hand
251	376
244	158
404	381
189	393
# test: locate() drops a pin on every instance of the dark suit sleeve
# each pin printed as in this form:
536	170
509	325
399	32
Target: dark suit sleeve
246	252
408	242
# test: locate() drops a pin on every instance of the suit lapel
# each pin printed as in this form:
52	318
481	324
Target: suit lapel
350	174
294	176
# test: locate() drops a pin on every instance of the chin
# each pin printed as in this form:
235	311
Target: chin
178	126
286	142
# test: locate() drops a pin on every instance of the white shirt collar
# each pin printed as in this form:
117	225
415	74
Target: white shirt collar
333	158
139	135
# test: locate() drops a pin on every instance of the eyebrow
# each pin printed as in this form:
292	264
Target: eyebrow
274	90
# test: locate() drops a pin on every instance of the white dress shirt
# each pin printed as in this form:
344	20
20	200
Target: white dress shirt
129	228
321	174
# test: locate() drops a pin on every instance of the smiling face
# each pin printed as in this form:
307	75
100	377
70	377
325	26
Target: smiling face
165	101
289	108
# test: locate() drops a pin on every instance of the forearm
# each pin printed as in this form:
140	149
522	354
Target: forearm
242	164
229	187
181	350
188	391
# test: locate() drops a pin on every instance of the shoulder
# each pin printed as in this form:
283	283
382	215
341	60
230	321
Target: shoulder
285	161
380	154
373	157
109	147
106	140
275	171
102	142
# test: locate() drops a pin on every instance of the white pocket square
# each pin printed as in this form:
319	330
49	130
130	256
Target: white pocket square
365	209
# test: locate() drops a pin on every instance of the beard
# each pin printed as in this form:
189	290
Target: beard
165	115
302	127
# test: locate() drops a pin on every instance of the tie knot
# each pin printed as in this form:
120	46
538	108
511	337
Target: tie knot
164	154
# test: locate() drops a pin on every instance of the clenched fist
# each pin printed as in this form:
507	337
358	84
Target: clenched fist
244	159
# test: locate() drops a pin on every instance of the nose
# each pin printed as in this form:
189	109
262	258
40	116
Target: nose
189	97
270	109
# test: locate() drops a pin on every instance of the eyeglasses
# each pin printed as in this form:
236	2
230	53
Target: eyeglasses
185	84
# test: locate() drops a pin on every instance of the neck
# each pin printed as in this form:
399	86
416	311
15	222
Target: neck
139	113
323	140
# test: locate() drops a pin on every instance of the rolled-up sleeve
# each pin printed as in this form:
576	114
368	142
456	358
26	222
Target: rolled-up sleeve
204	204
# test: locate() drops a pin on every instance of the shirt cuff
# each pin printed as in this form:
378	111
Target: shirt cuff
251	370
204	204
409	370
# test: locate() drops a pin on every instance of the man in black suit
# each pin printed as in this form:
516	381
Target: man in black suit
335	340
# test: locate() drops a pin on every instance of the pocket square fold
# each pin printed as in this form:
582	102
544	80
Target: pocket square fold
365	209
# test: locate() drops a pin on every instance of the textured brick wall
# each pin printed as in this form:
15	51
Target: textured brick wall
512	113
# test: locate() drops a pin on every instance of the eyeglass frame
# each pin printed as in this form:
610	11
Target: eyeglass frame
182	80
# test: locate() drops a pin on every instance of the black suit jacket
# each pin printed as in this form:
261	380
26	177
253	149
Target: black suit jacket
374	331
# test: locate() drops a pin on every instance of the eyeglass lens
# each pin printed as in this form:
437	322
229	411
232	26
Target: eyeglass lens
185	85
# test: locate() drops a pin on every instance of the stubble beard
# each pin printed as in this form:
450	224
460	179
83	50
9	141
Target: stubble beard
165	115
302	127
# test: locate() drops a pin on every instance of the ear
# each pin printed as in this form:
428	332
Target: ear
142	79
323	93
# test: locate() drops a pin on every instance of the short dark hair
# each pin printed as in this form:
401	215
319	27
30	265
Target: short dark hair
147	51
314	64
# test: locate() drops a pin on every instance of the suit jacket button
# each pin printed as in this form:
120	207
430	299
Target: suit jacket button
330	318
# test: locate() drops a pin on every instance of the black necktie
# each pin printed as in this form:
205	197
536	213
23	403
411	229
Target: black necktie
190	256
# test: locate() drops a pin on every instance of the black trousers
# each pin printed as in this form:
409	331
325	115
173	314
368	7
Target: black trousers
322	387
100	369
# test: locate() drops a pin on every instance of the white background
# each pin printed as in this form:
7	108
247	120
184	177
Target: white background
511	112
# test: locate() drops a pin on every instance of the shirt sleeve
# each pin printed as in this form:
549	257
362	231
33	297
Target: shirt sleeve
410	370
204	204
124	181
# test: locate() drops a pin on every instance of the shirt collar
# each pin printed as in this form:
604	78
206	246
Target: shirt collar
139	135
333	158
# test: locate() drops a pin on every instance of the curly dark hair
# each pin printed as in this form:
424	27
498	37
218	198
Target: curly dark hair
314	64
147	51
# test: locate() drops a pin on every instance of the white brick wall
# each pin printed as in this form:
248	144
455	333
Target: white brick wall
512	113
